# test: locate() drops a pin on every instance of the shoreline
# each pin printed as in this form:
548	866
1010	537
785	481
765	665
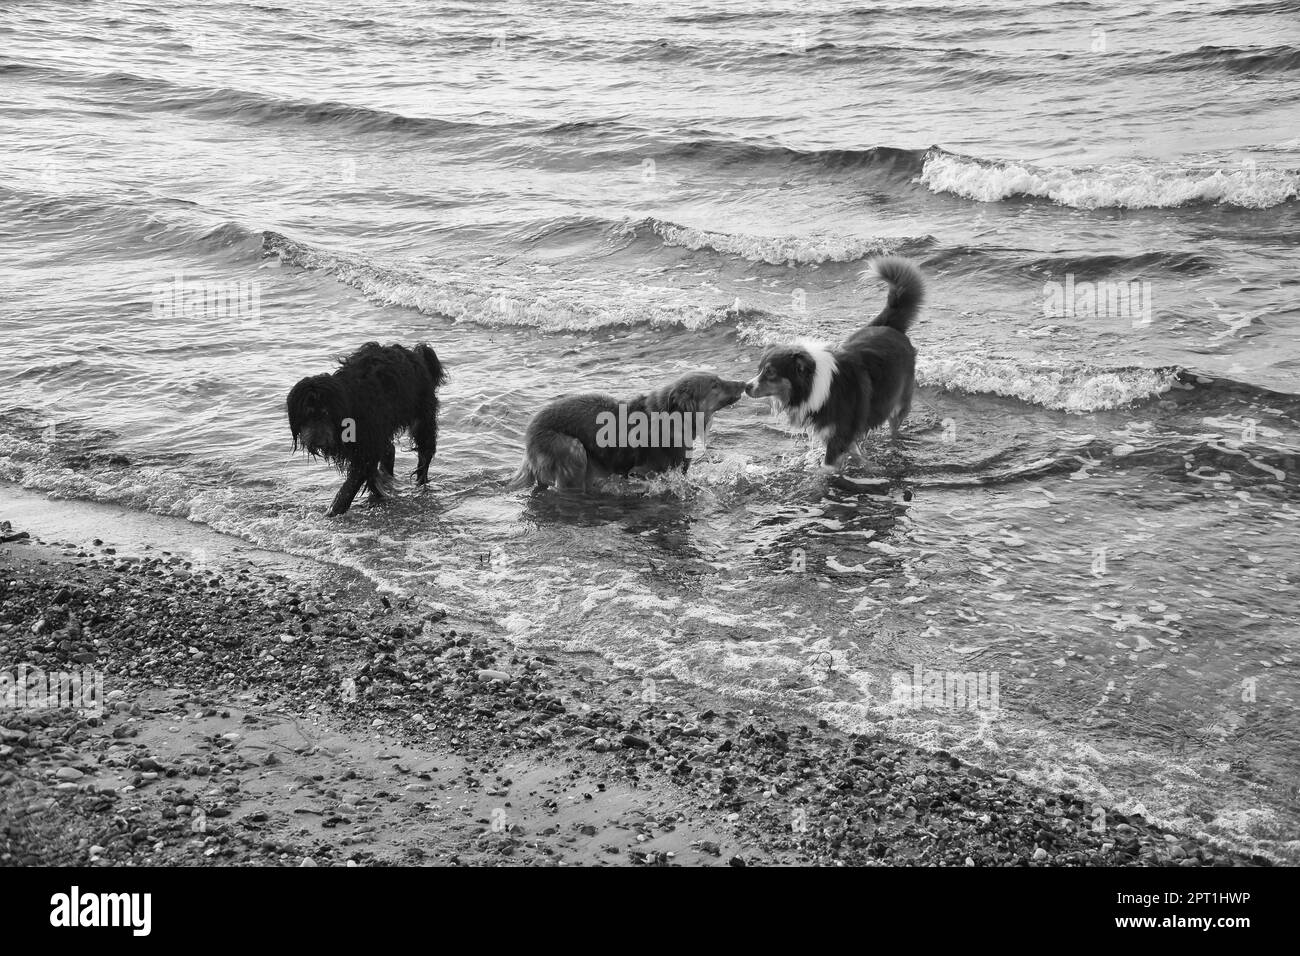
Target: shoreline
268	710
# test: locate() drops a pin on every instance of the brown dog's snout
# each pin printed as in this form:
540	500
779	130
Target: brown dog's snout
724	394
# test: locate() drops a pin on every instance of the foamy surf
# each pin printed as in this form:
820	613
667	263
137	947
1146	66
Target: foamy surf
781	250
1127	186
1068	388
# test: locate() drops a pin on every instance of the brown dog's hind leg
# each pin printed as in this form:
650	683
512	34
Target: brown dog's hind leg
569	464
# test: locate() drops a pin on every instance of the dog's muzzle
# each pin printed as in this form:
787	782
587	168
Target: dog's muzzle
317	440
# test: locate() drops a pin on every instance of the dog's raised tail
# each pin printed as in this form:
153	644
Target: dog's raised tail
906	292
432	363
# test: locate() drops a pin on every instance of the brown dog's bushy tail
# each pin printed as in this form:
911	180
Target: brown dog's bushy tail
431	362
525	477
906	292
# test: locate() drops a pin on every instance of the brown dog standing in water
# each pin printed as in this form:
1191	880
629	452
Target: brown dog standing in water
579	439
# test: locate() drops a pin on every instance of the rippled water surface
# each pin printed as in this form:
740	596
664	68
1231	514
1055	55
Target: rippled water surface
1096	505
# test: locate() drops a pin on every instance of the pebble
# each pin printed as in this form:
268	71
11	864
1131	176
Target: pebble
1040	854
490	675
68	773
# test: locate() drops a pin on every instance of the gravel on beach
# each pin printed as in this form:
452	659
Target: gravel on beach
255	717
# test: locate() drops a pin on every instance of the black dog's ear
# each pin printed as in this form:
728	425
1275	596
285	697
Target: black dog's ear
294	403
804	364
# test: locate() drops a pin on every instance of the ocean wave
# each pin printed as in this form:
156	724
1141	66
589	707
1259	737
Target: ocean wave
1069	388
958	260
147	221
150	93
1129	186
782	250
1265	8
1110	265
886	160
1278	59
500	301
810	249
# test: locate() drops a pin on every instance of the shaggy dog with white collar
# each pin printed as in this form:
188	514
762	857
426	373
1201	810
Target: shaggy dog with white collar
843	393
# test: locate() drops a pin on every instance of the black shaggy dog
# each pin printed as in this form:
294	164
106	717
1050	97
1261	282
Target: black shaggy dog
351	417
843	393
579	439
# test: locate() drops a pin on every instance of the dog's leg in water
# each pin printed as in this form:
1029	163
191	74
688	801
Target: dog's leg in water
899	415
426	441
390	459
379	481
836	446
351	485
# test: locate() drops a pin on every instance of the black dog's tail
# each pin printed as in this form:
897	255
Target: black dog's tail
906	291
430	359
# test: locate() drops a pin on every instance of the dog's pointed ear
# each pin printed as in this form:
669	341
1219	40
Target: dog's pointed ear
804	363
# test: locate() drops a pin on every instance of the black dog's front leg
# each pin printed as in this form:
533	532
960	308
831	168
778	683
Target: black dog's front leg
356	476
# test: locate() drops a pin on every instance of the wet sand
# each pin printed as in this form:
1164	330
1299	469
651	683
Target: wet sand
261	709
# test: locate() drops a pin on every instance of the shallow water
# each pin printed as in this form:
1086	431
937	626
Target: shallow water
1095	504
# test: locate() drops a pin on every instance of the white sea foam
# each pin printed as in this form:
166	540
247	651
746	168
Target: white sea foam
1130	186
1078	388
779	250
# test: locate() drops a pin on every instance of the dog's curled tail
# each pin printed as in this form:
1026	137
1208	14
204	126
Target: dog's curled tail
431	362
906	292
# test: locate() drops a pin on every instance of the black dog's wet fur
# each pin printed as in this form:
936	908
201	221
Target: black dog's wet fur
383	390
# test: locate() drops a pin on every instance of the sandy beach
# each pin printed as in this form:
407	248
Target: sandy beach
259	710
